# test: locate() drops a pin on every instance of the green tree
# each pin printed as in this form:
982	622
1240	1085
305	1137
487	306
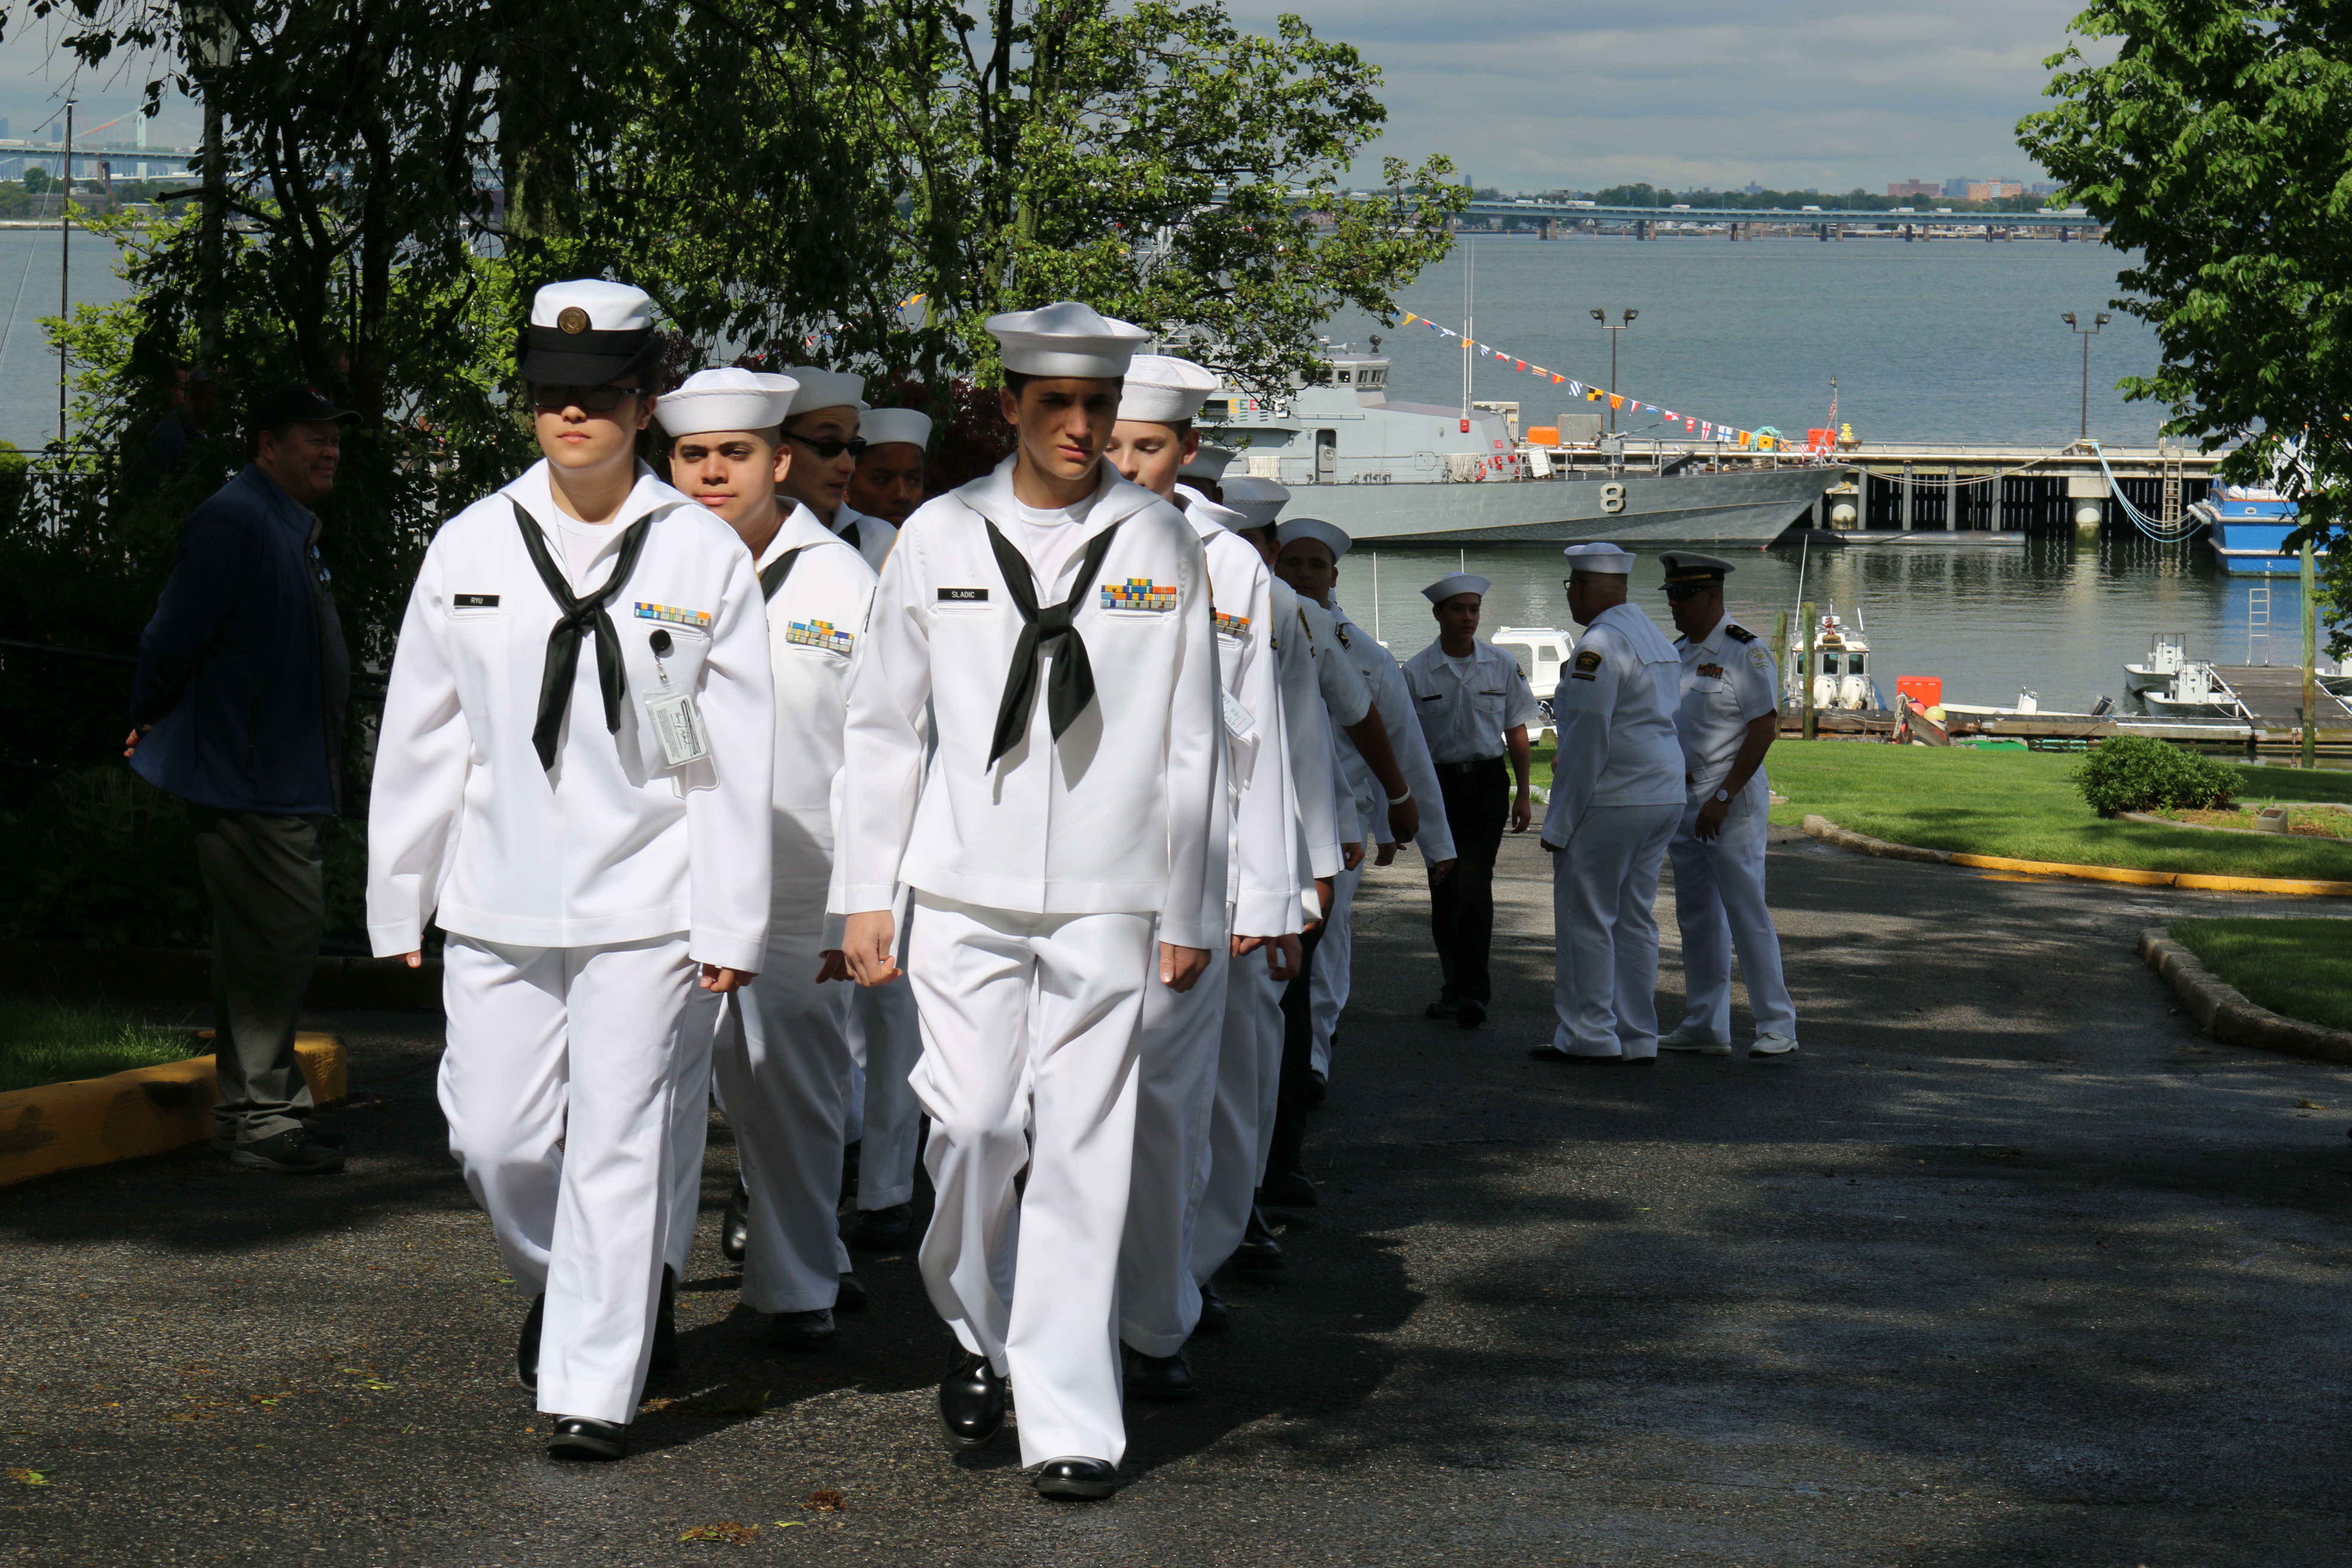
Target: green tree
2216	149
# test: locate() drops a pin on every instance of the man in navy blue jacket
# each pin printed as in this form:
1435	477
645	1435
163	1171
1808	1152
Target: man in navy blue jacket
237	708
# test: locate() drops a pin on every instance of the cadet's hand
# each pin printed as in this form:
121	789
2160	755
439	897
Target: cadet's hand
866	943
1180	968
414	960
1439	871
1404	821
1325	891
1387	854
1709	825
1282	958
1523	810
1243	946
1350	856
835	967
720	979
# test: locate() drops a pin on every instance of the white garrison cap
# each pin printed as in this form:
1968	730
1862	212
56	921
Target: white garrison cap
1605	559
1208	463
1260	501
825	389
1200	506
1447	586
1163	390
725	400
881	426
585	331
1314	528
1065	339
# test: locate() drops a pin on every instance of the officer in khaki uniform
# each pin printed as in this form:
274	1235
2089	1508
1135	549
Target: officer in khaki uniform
1727	719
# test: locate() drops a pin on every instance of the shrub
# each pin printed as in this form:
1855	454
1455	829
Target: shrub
2134	773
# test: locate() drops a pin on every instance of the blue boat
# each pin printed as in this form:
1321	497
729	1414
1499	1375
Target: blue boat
2248	528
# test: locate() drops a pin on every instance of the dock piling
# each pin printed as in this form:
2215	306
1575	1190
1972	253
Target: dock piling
1805	675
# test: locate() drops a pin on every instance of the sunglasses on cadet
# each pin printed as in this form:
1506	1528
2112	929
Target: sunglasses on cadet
587	399
829	450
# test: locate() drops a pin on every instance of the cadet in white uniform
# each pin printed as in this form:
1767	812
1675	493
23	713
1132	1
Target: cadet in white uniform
1616	794
1198	1073
889	481
1728	718
1474	707
826	433
573	780
781	1046
1046	836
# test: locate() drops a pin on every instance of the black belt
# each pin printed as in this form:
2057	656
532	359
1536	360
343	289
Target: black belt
1474	765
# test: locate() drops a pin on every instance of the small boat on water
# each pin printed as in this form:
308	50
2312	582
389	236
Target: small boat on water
1542	653
2248	526
1843	680
2028	705
2167	652
2196	692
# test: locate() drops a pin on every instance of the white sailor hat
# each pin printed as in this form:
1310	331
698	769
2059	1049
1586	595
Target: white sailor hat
1162	390
1260	501
1209	463
584	333
881	427
1224	517
1455	583
1065	339
825	389
726	399
1605	559
1314	528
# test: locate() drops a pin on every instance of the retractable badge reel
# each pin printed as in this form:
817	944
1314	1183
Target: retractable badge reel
676	721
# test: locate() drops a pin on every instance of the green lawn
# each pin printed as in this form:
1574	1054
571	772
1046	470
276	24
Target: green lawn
2299	967
54	1045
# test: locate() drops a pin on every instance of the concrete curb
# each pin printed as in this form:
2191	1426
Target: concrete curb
2223	1012
147	1110
2155	821
1829	832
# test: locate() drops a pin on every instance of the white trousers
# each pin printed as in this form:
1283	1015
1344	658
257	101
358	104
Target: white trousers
1175	1103
886	1118
1240	1122
557	1083
1327	988
1604	890
1720	905
1030	1024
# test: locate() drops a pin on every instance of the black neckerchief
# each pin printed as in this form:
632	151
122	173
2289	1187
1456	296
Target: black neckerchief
849	532
1072	684
580	617
773	575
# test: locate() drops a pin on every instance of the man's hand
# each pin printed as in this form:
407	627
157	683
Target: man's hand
1282	957
1709	825
835	967
1350	856
1325	891
1180	968
131	741
1439	871
414	960
1387	854
867	944
1404	821
721	980
1523	810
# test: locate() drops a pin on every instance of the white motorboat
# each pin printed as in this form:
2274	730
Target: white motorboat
1843	680
2197	692
2028	705
1542	653
2167	652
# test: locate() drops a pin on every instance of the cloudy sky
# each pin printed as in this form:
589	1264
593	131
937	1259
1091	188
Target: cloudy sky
1537	94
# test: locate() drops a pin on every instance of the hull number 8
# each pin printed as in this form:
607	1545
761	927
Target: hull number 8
1612	499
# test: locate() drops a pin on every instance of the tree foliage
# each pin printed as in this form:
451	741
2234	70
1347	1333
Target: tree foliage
2217	148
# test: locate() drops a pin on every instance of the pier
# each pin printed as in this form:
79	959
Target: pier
1825	224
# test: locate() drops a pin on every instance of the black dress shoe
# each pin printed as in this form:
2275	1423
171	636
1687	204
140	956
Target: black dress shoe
577	1438
526	1347
972	1403
1318	1088
1470	1015
1158	1379
1287	1190
1216	1317
293	1153
664	1358
1441	1009
852	1297
1080	1479
1571	1059
1259	1253
884	1231
735	1229
802	1331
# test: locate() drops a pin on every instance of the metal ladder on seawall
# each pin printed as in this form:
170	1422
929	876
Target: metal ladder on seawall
2258	621
2169	513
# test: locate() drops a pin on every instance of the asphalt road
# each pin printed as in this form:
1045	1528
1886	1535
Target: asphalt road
2011	1267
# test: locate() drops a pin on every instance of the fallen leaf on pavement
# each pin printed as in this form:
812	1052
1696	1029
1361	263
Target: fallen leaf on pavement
826	1501
726	1532
28	1477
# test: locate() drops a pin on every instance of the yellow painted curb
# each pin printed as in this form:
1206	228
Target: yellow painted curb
1824	828
147	1110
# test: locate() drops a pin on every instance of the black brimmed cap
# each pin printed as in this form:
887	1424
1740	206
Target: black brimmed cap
585	332
295	406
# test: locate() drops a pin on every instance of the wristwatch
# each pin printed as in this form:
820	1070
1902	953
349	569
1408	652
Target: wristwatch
1723	794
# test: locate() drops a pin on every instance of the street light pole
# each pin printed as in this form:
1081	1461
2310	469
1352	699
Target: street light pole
65	259
1613	330
2086	334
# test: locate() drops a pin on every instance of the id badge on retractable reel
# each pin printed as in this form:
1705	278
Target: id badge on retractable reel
677	720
